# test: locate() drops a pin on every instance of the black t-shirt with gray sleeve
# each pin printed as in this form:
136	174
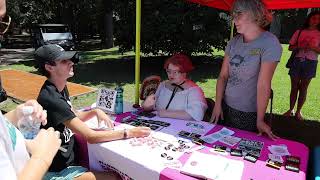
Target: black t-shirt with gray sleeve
58	108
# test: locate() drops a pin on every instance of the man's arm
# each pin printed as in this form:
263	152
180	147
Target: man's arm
15	115
86	115
177	114
92	136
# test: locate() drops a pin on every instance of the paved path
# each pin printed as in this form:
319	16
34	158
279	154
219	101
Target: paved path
11	56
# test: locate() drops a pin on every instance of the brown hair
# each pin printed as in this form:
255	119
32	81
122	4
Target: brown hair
181	60
256	8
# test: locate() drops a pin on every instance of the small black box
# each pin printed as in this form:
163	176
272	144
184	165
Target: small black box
236	152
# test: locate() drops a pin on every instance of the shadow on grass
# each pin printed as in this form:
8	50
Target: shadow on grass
306	132
122	71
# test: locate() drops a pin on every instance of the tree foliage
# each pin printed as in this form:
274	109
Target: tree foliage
166	26
170	26
28	12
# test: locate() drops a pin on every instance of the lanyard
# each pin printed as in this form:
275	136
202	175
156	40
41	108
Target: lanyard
175	89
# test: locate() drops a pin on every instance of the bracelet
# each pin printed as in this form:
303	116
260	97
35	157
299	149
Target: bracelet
125	134
42	160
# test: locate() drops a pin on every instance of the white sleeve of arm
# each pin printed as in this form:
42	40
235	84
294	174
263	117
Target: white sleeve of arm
157	94
196	106
7	170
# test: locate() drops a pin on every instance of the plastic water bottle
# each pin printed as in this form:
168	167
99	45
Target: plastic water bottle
119	101
28	126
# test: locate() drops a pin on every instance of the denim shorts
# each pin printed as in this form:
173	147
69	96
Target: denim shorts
68	173
303	68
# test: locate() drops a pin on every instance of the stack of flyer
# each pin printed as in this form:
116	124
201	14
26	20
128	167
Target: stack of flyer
209	166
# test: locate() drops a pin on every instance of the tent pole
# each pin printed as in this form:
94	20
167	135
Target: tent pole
137	57
232	29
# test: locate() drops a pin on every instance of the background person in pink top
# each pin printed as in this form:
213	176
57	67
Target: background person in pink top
304	65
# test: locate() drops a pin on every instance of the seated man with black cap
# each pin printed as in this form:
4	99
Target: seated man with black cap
57	65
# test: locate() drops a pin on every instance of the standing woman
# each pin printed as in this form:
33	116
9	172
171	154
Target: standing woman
304	66
178	97
251	57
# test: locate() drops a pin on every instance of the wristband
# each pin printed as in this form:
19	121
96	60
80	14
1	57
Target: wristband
125	134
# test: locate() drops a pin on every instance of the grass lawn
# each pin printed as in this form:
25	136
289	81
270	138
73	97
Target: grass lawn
108	68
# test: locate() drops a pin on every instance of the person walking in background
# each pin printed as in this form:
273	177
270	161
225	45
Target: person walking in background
304	66
178	97
251	57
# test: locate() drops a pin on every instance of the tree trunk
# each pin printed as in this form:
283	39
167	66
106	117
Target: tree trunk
108	26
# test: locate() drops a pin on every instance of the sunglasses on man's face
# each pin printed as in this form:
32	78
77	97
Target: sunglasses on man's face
4	24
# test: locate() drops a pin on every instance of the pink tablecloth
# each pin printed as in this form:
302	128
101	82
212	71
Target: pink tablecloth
254	171
257	170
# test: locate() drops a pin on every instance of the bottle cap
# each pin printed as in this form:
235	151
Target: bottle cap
27	110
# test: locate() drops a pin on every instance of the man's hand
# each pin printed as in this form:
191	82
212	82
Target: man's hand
264	128
38	112
139	132
162	113
104	118
45	145
149	103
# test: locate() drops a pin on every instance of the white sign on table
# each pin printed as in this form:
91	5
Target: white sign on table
106	99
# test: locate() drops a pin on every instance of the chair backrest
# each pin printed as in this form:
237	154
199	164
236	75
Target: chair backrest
149	86
208	113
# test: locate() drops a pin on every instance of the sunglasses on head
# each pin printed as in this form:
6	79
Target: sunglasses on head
4	24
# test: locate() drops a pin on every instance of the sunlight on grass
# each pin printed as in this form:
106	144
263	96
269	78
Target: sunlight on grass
280	83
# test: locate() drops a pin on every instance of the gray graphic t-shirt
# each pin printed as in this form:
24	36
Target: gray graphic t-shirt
245	61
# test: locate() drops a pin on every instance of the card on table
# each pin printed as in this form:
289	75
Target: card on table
230	140
225	132
281	150
250	146
292	163
198	141
276	158
292	167
212	138
236	152
220	148
273	164
293	159
251	158
209	139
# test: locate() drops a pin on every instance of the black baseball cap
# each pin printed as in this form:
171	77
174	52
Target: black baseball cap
54	52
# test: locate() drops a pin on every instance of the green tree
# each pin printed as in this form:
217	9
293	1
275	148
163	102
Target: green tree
170	26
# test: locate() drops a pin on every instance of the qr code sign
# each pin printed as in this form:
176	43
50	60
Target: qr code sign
106	99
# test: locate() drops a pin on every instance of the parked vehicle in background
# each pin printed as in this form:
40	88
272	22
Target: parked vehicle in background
53	34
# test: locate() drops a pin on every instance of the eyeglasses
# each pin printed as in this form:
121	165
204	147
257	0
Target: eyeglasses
4	24
175	73
236	15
